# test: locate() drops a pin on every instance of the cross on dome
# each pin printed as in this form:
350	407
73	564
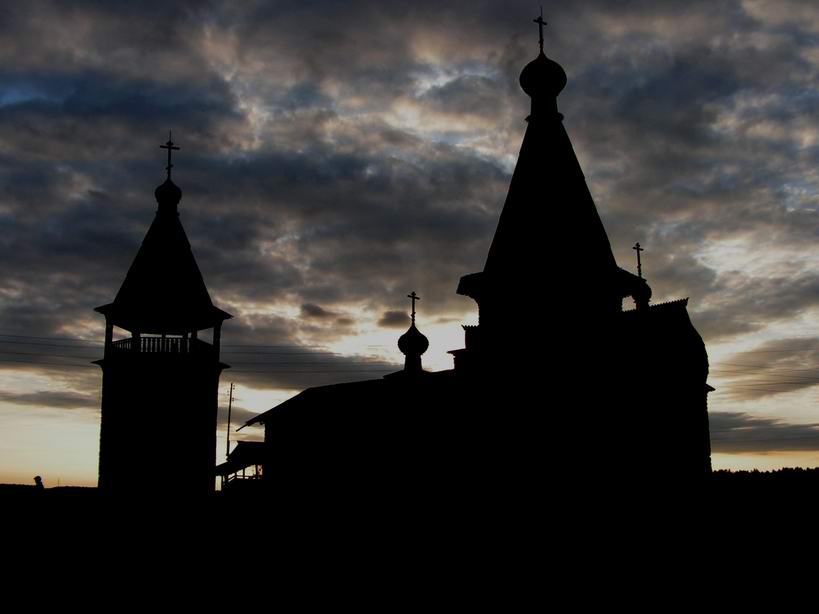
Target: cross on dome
639	249
170	147
540	23
414	298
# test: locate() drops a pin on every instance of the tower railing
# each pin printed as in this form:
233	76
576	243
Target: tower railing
162	345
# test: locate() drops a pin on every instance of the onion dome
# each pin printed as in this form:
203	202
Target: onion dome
413	342
168	196
543	78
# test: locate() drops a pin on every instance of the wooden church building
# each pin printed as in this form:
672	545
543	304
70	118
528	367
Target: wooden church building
571	376
161	370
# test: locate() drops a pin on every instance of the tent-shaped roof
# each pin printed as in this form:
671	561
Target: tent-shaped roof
164	290
549	215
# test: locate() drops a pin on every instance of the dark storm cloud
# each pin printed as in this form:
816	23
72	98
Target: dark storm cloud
303	185
734	433
361	220
150	37
60	400
774	367
83	119
311	310
750	303
393	319
467	95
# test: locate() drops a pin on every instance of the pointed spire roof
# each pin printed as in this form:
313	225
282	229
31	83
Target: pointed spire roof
549	218
164	291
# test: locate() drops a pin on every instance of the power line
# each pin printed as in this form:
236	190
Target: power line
44	338
270	371
740	368
301	362
742	353
759	439
744	365
55	345
771	379
792	378
90	345
78	339
58	364
224	354
44	355
815	346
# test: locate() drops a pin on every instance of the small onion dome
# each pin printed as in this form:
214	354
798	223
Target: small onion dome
542	78
413	342
168	195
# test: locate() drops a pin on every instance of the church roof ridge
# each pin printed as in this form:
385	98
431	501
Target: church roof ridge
675	301
664	305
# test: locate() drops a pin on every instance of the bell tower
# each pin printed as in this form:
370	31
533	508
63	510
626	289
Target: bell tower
160	377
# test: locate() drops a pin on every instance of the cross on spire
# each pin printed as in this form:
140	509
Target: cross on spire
540	23
414	297
639	249
170	147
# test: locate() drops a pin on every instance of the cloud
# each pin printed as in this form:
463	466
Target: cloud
311	310
772	368
737	433
393	319
238	416
274	366
464	95
322	179
297	369
52	399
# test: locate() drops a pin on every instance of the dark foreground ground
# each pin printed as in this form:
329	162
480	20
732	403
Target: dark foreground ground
791	479
480	528
796	483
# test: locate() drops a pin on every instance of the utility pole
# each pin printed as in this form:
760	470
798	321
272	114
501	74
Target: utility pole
230	406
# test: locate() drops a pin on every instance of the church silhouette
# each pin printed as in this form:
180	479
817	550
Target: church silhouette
557	384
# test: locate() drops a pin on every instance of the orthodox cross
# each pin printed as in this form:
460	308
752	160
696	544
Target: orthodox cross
639	249
414	298
170	147
540	23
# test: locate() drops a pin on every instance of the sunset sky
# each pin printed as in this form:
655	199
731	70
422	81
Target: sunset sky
336	156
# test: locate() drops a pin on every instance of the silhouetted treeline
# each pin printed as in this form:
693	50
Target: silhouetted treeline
799	482
790	478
